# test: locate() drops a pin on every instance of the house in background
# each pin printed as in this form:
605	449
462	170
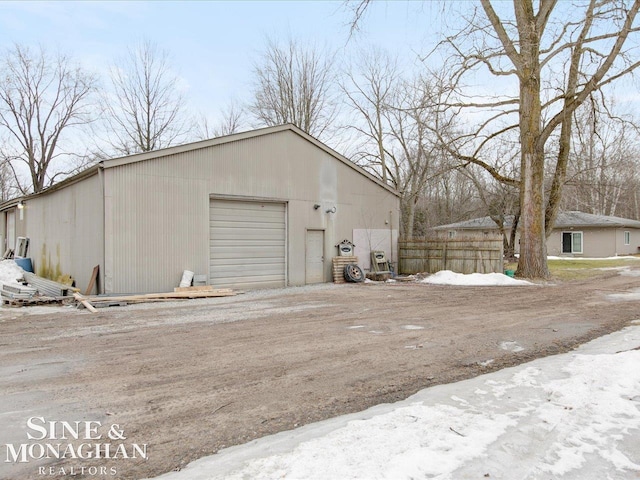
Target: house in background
258	209
576	234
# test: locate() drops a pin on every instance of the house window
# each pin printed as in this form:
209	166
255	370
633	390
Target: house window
452	234
571	242
627	238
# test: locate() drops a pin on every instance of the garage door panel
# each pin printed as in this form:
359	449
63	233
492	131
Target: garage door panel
247	271
247	244
248	253
269	216
228	235
230	245
245	225
269	213
223	262
253	282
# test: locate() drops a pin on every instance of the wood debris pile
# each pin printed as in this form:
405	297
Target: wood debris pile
34	290
92	303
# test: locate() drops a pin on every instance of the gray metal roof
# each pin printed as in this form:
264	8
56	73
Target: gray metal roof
564	220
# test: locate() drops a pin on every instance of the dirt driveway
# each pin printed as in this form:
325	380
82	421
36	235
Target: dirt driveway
190	378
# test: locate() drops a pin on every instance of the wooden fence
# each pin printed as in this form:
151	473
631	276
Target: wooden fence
464	253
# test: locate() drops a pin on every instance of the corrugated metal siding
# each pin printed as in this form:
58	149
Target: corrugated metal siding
248	244
157	226
66	230
158	210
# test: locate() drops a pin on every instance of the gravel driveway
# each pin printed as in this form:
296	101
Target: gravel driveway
188	378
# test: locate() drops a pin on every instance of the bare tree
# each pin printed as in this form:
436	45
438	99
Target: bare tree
8	186
603	160
42	98
371	87
145	110
294	84
393	120
558	54
415	158
231	121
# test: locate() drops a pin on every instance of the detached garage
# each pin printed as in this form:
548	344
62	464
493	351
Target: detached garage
259	209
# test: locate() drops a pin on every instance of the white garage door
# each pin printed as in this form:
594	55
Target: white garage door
247	244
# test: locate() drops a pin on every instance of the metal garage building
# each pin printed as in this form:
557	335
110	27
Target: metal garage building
258	209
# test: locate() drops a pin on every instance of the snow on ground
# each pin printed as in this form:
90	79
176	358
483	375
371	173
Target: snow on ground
447	277
10	272
514	347
633	295
630	273
570	416
619	257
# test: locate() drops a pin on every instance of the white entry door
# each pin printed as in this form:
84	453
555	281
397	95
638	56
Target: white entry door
314	257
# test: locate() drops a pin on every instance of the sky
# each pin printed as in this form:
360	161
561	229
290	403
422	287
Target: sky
213	45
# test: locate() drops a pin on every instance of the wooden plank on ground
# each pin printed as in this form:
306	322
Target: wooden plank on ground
84	302
221	292
194	289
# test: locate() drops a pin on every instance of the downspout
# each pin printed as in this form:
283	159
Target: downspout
102	223
391	235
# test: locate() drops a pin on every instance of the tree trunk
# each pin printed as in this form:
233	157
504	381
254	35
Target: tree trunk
512	237
408	208
533	248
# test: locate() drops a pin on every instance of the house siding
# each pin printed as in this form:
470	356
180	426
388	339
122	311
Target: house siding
597	242
600	242
634	241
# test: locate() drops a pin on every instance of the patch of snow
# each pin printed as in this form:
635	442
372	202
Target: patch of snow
377	332
511	346
628	296
412	327
10	272
390	280
353	327
486	363
569	416
447	277
630	273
